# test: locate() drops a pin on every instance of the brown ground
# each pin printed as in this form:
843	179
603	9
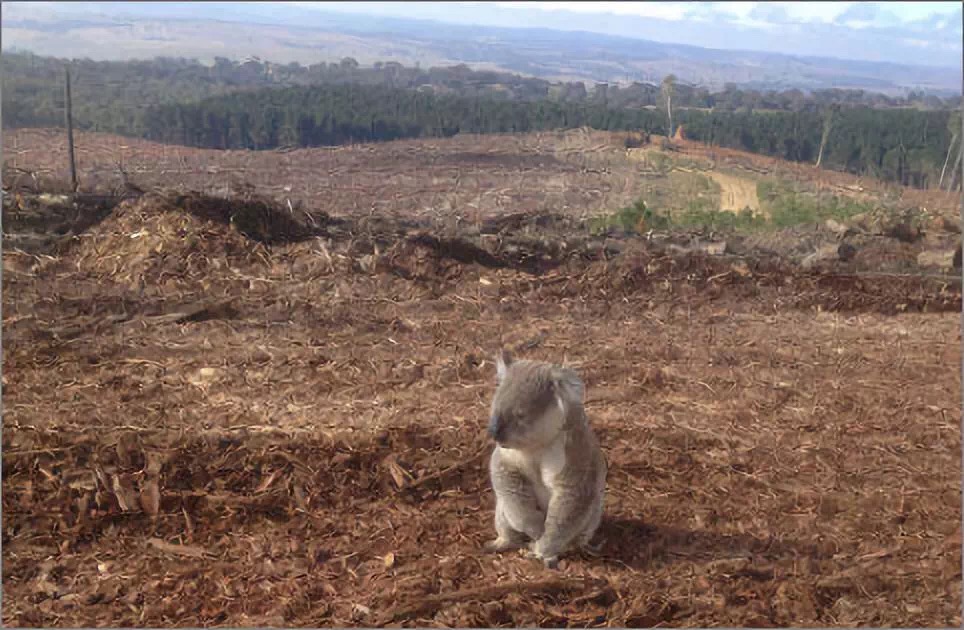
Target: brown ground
204	429
581	172
577	172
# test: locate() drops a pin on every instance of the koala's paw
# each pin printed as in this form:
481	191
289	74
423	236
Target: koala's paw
551	561
593	549
499	545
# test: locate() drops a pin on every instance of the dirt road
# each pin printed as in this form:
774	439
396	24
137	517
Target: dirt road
736	193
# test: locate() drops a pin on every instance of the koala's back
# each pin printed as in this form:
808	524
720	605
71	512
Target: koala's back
585	457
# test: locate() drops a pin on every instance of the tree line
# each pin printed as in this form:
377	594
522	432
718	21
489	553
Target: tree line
898	145
343	114
116	94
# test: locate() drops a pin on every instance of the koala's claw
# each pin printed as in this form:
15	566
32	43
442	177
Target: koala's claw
550	562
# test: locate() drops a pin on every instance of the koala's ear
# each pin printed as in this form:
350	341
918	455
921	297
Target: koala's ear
569	387
502	362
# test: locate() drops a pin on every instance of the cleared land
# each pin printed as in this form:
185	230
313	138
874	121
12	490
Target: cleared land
224	412
577	172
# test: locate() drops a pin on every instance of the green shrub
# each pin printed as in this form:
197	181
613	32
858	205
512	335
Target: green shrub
789	207
628	219
700	216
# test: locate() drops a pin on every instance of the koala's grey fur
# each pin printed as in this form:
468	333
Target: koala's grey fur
547	470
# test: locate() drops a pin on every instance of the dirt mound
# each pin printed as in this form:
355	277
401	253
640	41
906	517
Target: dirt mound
157	239
256	218
424	256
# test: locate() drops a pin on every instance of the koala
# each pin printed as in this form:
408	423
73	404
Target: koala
547	470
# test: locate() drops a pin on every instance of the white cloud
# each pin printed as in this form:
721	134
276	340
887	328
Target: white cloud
771	13
660	10
851	14
740	11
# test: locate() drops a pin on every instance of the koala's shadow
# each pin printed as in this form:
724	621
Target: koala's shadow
640	545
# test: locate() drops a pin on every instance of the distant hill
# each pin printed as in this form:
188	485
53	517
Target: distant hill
287	34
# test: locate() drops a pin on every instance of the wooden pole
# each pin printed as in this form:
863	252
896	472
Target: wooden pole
70	130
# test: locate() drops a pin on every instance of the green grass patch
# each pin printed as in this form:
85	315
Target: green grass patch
691	201
788	206
717	221
630	219
698	214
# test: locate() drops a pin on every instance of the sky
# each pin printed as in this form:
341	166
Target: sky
923	33
879	13
749	12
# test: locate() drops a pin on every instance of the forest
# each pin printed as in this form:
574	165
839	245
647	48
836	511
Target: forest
901	145
258	105
117	92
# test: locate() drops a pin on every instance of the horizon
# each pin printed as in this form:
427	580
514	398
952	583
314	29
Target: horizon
752	44
771	25
925	34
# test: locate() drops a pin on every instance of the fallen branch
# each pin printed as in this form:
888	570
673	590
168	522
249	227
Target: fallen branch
441	473
194	313
188	551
